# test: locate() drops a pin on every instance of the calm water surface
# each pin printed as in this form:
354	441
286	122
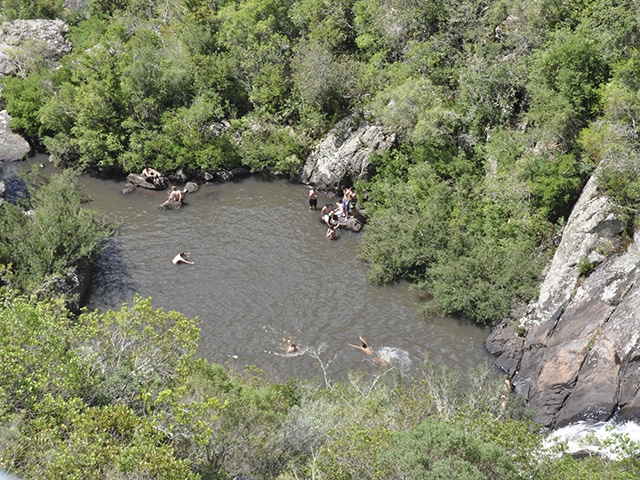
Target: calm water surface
264	270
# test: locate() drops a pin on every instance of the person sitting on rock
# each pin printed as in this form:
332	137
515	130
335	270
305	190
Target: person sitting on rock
175	195
182	258
326	215
151	175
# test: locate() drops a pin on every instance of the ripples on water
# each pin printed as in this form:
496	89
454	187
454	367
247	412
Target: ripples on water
264	270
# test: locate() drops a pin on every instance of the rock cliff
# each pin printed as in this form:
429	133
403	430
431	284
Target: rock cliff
576	353
20	42
343	155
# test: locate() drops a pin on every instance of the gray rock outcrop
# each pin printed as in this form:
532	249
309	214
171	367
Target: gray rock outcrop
137	180
13	148
576	353
23	43
343	156
21	40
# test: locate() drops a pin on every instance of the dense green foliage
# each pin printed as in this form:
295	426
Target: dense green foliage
121	395
48	236
501	110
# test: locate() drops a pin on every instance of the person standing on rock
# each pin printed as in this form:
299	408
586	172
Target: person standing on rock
353	200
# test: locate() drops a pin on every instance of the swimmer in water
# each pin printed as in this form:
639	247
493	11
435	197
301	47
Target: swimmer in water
364	346
181	258
289	346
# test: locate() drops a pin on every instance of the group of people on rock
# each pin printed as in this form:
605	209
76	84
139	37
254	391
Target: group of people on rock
151	175
332	217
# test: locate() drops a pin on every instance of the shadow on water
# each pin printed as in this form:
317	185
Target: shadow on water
15	187
264	270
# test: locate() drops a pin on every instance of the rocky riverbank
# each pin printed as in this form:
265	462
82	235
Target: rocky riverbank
575	354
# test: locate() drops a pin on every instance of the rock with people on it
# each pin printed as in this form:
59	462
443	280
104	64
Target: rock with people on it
176	196
149	178
345	215
175	200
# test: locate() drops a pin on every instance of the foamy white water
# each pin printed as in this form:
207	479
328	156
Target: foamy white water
610	439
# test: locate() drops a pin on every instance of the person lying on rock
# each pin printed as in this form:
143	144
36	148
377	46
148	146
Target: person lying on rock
151	175
182	258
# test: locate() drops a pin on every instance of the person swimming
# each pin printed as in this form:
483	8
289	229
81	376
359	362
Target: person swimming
331	232
364	346
182	258
290	347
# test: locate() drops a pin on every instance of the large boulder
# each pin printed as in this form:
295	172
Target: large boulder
575	355
138	180
343	156
13	148
20	40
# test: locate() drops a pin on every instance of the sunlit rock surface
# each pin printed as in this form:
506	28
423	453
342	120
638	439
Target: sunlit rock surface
343	156
575	355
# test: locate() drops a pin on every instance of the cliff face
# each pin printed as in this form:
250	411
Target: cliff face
344	154
576	353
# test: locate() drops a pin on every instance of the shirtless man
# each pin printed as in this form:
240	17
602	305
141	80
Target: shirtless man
181	258
327	215
175	195
364	346
313	198
289	346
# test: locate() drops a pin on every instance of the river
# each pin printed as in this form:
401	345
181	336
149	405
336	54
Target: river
264	270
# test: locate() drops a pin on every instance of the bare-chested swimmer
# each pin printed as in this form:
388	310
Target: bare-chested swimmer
290	346
182	258
364	346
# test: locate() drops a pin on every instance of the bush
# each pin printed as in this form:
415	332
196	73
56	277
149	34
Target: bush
58	234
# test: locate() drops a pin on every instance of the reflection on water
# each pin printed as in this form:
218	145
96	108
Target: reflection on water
265	270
